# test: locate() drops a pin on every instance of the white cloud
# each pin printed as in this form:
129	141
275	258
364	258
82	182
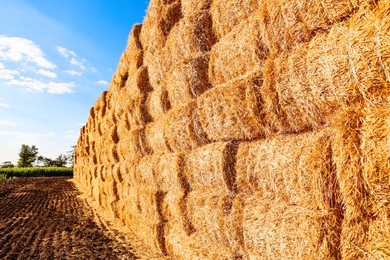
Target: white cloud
72	72
18	49
65	52
47	73
94	70
73	135
7	123
8	74
37	85
78	63
103	82
4	105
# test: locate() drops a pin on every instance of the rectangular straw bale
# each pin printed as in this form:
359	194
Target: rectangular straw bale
158	65
375	147
207	214
275	229
155	137
180	128
227	14
188	80
378	245
295	168
231	112
178	243
287	23
238	55
303	88
207	169
158	102
190	37
353	188
160	17
129	147
189	7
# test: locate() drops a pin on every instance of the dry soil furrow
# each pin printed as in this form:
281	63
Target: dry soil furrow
42	218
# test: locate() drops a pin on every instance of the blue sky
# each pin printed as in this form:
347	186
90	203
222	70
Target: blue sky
56	58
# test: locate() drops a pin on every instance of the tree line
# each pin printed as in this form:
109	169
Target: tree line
29	157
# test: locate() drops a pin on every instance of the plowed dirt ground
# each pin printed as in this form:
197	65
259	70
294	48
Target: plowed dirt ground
42	218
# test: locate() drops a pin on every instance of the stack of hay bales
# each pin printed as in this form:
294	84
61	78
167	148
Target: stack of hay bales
247	129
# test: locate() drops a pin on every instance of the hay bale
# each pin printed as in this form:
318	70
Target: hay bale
238	55
378	245
190	38
207	213
128	147
157	102
353	188
275	229
181	128
189	7
303	88
375	147
231	112
160	17
295	168
287	23
156	141
158	65
188	80
227	14
210	168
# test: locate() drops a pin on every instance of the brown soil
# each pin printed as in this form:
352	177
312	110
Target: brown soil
42	218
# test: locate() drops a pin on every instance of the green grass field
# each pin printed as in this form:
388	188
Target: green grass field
6	173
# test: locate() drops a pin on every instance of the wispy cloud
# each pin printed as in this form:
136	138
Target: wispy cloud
73	135
65	52
47	73
72	56
103	82
78	63
72	72
19	49
4	105
37	85
7	123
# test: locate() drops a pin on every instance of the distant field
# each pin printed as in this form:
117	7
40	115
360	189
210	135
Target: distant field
7	173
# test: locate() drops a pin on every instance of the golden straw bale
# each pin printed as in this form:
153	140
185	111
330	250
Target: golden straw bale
238	55
303	88
158	65
353	188
158	102
178	243
180	128
128	147
190	37
378	245
160	17
189	7
295	168
375	146
289	22
275	229
227	14
188	80
207	214
156	141
209	168
231	112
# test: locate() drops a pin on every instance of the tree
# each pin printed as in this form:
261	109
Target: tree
27	155
70	155
46	162
60	161
7	164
